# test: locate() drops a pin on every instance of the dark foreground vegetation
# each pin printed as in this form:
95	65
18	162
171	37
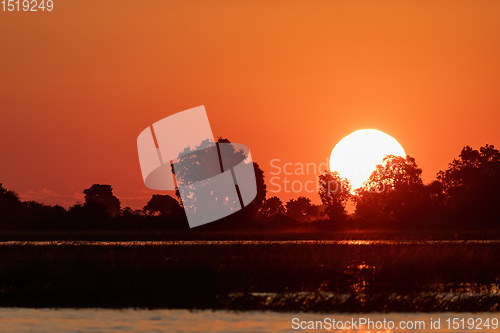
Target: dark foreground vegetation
281	276
277	268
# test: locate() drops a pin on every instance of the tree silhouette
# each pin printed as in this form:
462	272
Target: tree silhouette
272	206
334	193
198	164
471	186
102	195
261	187
36	212
163	205
300	209
260	182
394	193
10	205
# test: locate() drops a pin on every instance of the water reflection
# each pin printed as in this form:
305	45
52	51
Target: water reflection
129	320
359	276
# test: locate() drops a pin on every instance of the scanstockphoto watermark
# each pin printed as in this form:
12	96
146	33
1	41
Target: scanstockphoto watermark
358	324
419	323
283	177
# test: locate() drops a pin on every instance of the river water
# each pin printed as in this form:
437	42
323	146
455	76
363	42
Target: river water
131	320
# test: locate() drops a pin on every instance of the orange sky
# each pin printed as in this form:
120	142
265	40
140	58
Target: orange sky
288	79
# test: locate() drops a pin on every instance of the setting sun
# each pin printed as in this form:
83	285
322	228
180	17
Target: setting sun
356	155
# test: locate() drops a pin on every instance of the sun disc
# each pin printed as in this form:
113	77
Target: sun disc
356	156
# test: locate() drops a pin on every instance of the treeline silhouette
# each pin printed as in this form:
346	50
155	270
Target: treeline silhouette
465	196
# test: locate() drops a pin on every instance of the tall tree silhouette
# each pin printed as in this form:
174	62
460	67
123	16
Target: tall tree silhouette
471	187
200	163
260	182
394	193
334	193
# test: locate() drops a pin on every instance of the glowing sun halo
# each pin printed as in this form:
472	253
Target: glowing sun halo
356	155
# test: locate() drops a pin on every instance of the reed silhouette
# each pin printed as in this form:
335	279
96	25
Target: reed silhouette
281	276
